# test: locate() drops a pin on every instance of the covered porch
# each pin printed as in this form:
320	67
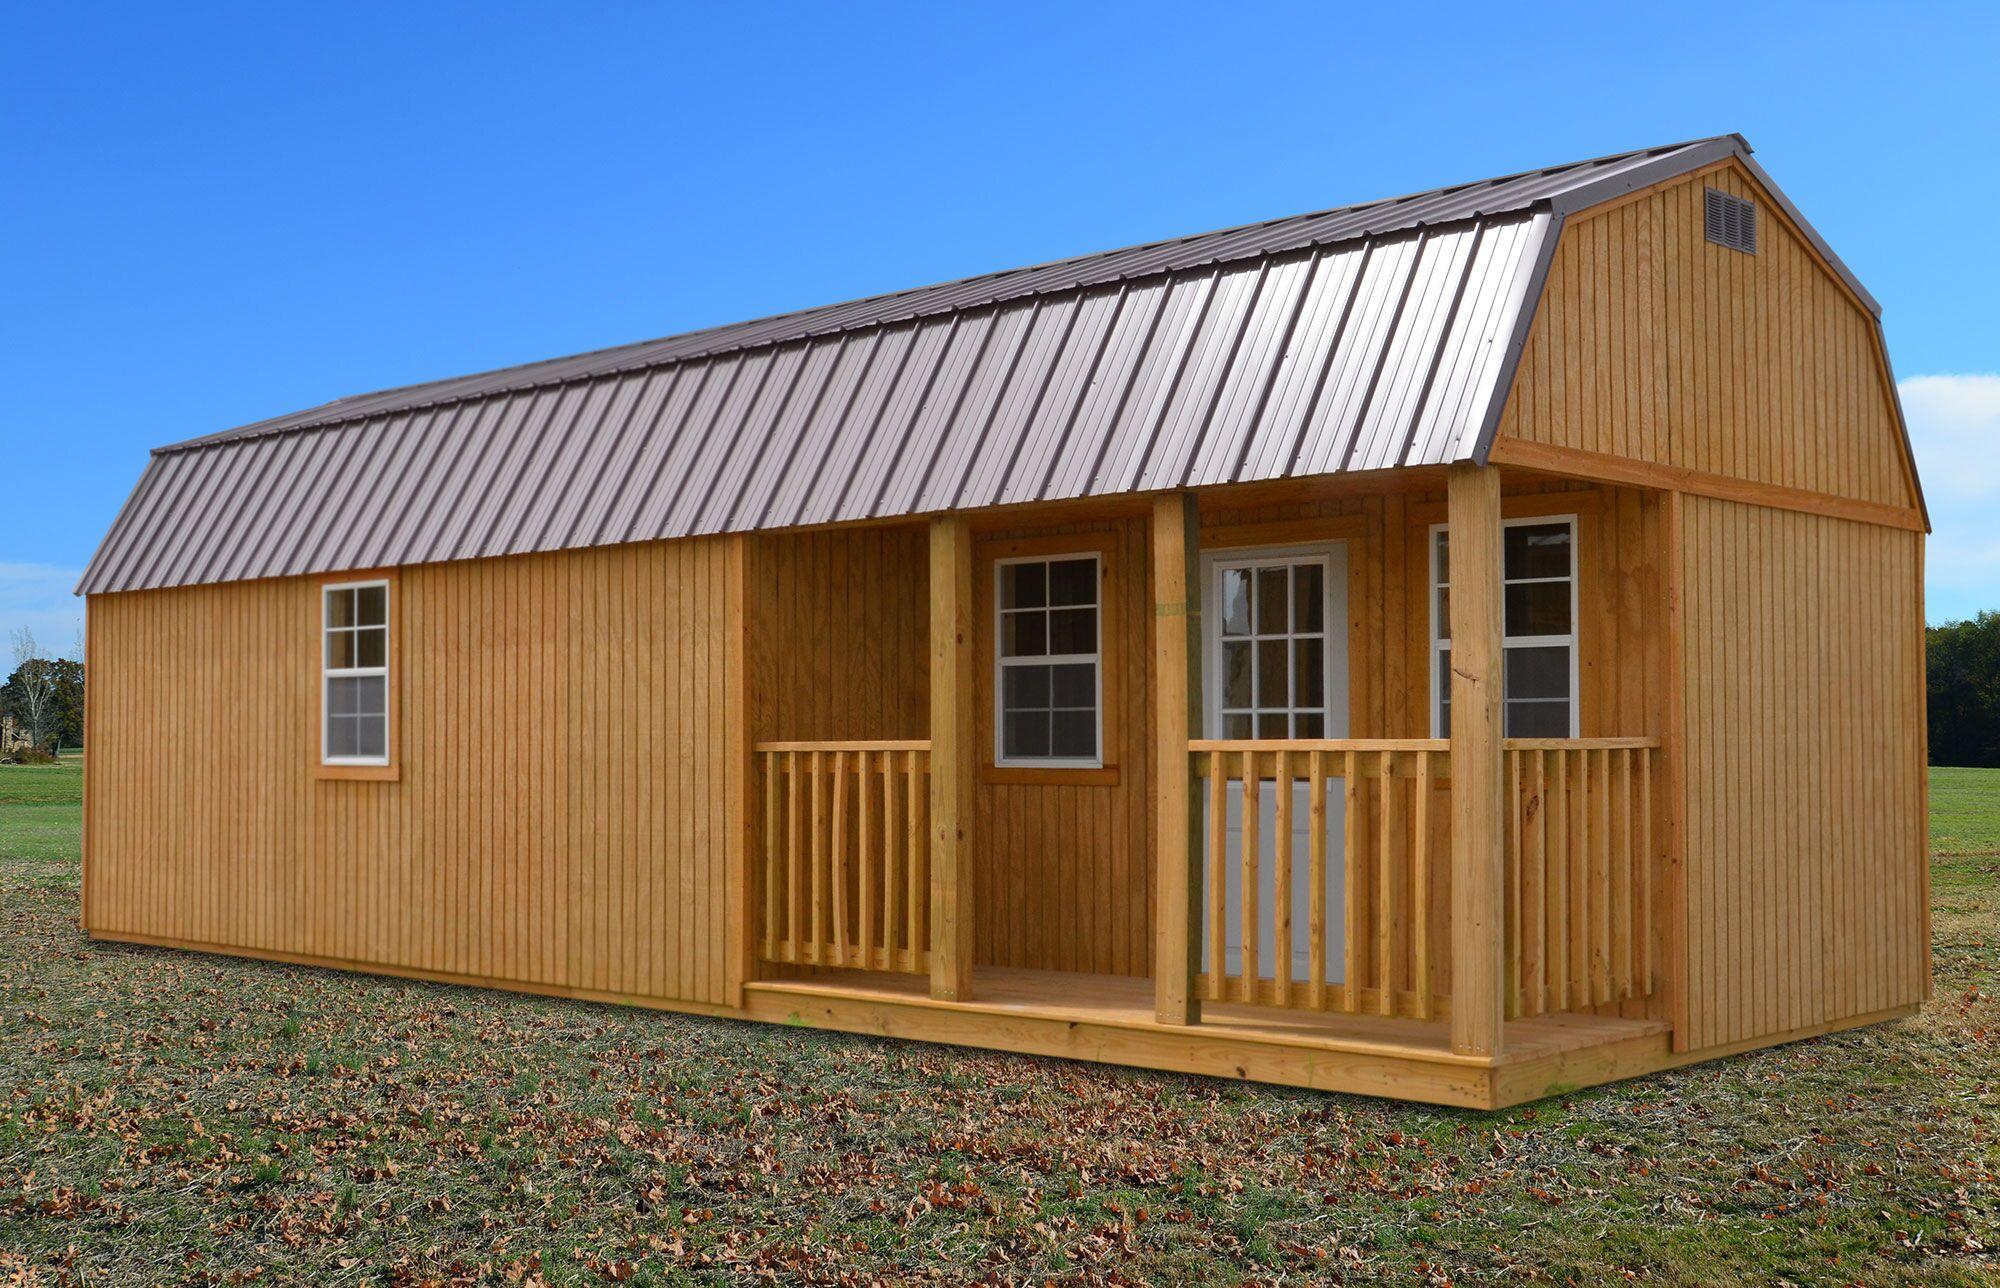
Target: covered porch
1469	919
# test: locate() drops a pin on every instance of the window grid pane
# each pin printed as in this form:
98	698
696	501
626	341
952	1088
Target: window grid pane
1272	628
1538	629
1048	664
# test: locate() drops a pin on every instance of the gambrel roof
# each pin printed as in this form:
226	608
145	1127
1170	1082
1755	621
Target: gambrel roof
1362	338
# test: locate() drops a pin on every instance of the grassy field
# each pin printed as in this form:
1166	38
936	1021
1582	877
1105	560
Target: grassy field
174	1118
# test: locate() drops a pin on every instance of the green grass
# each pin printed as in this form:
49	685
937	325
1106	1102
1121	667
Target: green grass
168	1117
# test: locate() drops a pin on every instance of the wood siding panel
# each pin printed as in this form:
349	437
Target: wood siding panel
559	815
1654	345
1805	838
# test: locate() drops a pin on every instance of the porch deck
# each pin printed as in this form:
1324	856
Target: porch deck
1110	1019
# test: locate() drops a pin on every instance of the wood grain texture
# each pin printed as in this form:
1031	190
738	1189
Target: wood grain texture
1805	837
1653	345
561	816
1478	818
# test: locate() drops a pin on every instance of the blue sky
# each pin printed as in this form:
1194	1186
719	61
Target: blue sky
218	213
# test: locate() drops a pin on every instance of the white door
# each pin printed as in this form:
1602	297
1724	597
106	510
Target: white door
1275	666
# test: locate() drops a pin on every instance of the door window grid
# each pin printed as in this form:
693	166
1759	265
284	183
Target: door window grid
1273	654
1538	645
1048	698
354	662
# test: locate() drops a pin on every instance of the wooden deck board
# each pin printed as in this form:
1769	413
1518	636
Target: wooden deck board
1111	1018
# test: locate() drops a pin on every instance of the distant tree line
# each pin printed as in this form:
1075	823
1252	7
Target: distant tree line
43	696
1963	665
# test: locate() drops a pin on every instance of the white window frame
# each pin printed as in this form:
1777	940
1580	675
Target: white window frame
1001	662
327	673
1331	556
1508	641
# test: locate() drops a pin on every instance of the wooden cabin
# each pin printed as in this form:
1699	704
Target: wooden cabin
1457	648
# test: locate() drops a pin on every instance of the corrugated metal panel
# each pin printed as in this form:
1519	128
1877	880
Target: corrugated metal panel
1362	338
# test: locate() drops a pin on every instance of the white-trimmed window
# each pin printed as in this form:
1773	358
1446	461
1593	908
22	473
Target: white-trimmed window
355	673
1538	597
1048	683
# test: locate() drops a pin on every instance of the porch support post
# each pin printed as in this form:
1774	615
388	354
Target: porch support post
1478	814
1176	713
739	723
952	764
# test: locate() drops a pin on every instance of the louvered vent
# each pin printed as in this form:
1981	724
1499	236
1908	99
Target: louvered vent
1732	222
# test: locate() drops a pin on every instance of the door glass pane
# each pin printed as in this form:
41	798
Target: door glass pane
1236	673
1272	674
1271	594
1537	550
1073	581
1075	686
1444	692
1272	724
1308	724
1073	734
1072	630
1444	612
1538	608
1309	673
1538	672
1235	601
1444	558
1308	598
1236	725
1023	585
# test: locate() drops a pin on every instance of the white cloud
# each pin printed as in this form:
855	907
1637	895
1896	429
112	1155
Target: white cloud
1955	428
38	596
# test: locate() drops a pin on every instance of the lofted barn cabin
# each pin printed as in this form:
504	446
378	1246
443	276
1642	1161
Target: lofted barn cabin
1457	648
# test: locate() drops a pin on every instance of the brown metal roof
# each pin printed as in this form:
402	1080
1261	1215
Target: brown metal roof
1362	338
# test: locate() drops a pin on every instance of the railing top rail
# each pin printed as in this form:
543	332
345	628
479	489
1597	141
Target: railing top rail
1318	744
1580	744
852	744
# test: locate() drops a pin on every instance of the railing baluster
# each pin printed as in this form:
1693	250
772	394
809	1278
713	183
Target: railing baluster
866	858
1351	857
1218	876
773	842
915	800
1621	881
1516	948
1385	888
1645	863
1252	811
839	876
892	865
1420	887
1281	887
1601	872
794	856
1557	807
1316	882
1534	893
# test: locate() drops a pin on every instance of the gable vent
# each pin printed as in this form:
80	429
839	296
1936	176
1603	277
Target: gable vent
1731	221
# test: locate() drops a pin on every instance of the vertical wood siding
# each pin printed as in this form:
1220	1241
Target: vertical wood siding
559	818
1805	832
1651	343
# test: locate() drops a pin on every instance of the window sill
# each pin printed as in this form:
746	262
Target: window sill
358	773
1049	775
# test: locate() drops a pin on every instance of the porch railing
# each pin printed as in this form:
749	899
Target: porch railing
846	858
1356	919
1580	871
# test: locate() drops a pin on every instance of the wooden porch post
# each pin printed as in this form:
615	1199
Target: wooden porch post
739	723
951	758
1176	713
1478	814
